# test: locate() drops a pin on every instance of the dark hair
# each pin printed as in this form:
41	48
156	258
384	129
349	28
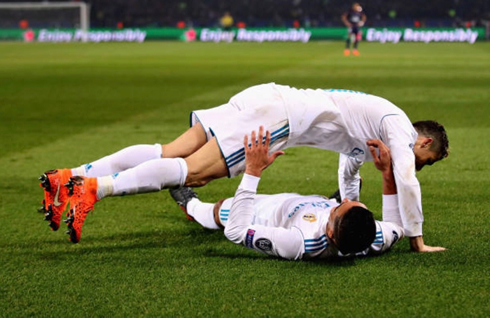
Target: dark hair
355	230
436	131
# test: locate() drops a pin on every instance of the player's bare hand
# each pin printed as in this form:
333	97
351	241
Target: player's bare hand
257	156
428	249
382	157
417	245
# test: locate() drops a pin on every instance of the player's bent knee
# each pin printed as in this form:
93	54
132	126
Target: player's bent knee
196	180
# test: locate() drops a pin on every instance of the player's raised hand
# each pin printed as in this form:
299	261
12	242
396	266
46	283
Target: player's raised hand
382	157
257	156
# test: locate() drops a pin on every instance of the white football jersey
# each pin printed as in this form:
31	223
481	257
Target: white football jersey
342	121
331	119
290	225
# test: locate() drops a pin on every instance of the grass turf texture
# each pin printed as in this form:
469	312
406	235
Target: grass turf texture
68	104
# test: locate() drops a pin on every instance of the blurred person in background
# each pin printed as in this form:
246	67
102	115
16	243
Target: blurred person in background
353	19
226	21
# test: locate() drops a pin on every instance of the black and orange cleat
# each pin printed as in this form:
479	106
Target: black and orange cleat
182	195
55	195
83	196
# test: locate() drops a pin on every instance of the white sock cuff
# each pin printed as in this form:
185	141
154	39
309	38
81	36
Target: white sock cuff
203	213
158	150
183	170
105	186
78	171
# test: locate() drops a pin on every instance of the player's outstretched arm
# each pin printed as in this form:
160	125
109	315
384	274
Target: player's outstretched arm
286	243
382	161
417	245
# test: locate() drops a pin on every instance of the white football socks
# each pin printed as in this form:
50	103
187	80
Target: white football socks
203	213
119	161
150	176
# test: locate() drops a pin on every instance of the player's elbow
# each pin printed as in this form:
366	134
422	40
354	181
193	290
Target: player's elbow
234	234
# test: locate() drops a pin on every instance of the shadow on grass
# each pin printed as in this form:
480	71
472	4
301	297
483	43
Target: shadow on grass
316	262
59	246
201	242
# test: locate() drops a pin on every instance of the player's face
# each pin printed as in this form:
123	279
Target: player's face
424	157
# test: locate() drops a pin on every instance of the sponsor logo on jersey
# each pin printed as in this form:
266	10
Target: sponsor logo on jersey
249	239
264	244
310	217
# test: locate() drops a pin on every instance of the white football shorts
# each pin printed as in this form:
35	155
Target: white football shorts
260	105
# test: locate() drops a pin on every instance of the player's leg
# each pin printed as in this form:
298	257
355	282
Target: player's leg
205	165
356	35
119	161
184	145
196	170
56	195
154	175
347	43
203	213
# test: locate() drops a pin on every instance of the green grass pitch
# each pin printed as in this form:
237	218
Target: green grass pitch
67	104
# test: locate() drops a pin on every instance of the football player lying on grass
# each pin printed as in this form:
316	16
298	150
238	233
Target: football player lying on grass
333	119
294	226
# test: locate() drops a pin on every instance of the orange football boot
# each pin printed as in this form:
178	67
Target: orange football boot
83	195
356	53
55	195
346	52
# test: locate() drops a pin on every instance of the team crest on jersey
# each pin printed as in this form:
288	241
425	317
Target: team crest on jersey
356	152
310	217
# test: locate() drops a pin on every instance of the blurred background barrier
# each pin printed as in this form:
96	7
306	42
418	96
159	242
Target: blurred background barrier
247	20
383	35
